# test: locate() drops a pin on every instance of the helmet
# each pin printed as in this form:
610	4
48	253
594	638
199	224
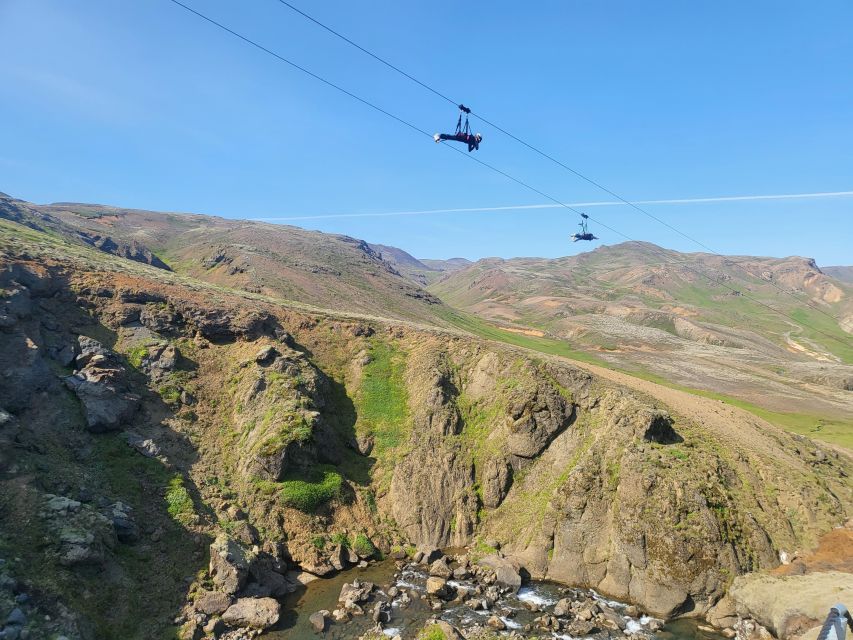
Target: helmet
478	136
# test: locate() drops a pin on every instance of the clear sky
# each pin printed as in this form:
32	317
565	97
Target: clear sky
140	104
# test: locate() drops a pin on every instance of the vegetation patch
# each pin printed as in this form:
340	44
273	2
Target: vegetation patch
180	504
382	401
432	632
292	427
136	355
308	494
363	546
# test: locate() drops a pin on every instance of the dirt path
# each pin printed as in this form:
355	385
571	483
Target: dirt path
738	427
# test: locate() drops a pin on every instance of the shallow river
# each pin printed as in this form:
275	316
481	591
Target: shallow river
323	594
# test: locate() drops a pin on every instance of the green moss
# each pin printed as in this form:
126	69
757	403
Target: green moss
613	475
678	454
363	546
318	542
382	401
307	495
180	504
292	426
136	355
432	632
170	393
340	539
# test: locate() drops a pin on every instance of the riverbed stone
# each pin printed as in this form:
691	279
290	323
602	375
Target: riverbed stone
356	591
506	574
436	586
318	620
440	569
494	622
562	608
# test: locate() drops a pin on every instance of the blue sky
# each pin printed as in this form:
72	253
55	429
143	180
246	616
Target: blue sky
143	105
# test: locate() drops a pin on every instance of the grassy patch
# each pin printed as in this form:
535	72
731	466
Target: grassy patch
136	355
382	407
180	504
484	329
292	427
363	546
432	632
340	539
308	494
833	430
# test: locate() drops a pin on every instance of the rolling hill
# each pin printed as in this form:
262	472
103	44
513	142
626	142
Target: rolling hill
323	270
697	320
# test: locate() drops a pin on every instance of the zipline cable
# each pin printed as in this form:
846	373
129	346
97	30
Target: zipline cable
549	157
481	162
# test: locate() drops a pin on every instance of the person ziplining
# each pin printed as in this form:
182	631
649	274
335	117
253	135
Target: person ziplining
463	132
584	234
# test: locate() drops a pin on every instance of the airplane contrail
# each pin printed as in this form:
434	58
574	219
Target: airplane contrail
603	203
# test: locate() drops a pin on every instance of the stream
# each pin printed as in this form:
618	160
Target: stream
407	621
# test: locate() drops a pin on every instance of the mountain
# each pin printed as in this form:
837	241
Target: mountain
409	266
452	264
424	271
844	274
178	451
699	320
321	270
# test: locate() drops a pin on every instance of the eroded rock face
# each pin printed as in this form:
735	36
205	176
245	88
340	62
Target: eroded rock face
282	393
100	382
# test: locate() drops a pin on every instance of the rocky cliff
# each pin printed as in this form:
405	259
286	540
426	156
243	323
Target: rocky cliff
146	415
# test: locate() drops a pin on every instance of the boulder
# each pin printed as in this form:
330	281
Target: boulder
440	569
506	574
255	613
494	622
563	608
229	566
788	606
105	406
356	591
341	615
436	587
266	355
382	612
101	386
318	620
212	602
125	528
339	557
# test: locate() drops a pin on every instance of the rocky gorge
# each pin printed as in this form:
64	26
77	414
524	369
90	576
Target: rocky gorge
178	458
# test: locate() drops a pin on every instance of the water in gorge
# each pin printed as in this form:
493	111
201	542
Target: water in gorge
513	609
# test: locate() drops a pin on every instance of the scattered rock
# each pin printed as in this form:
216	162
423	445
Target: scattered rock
436	586
506	573
440	569
318	620
496	623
